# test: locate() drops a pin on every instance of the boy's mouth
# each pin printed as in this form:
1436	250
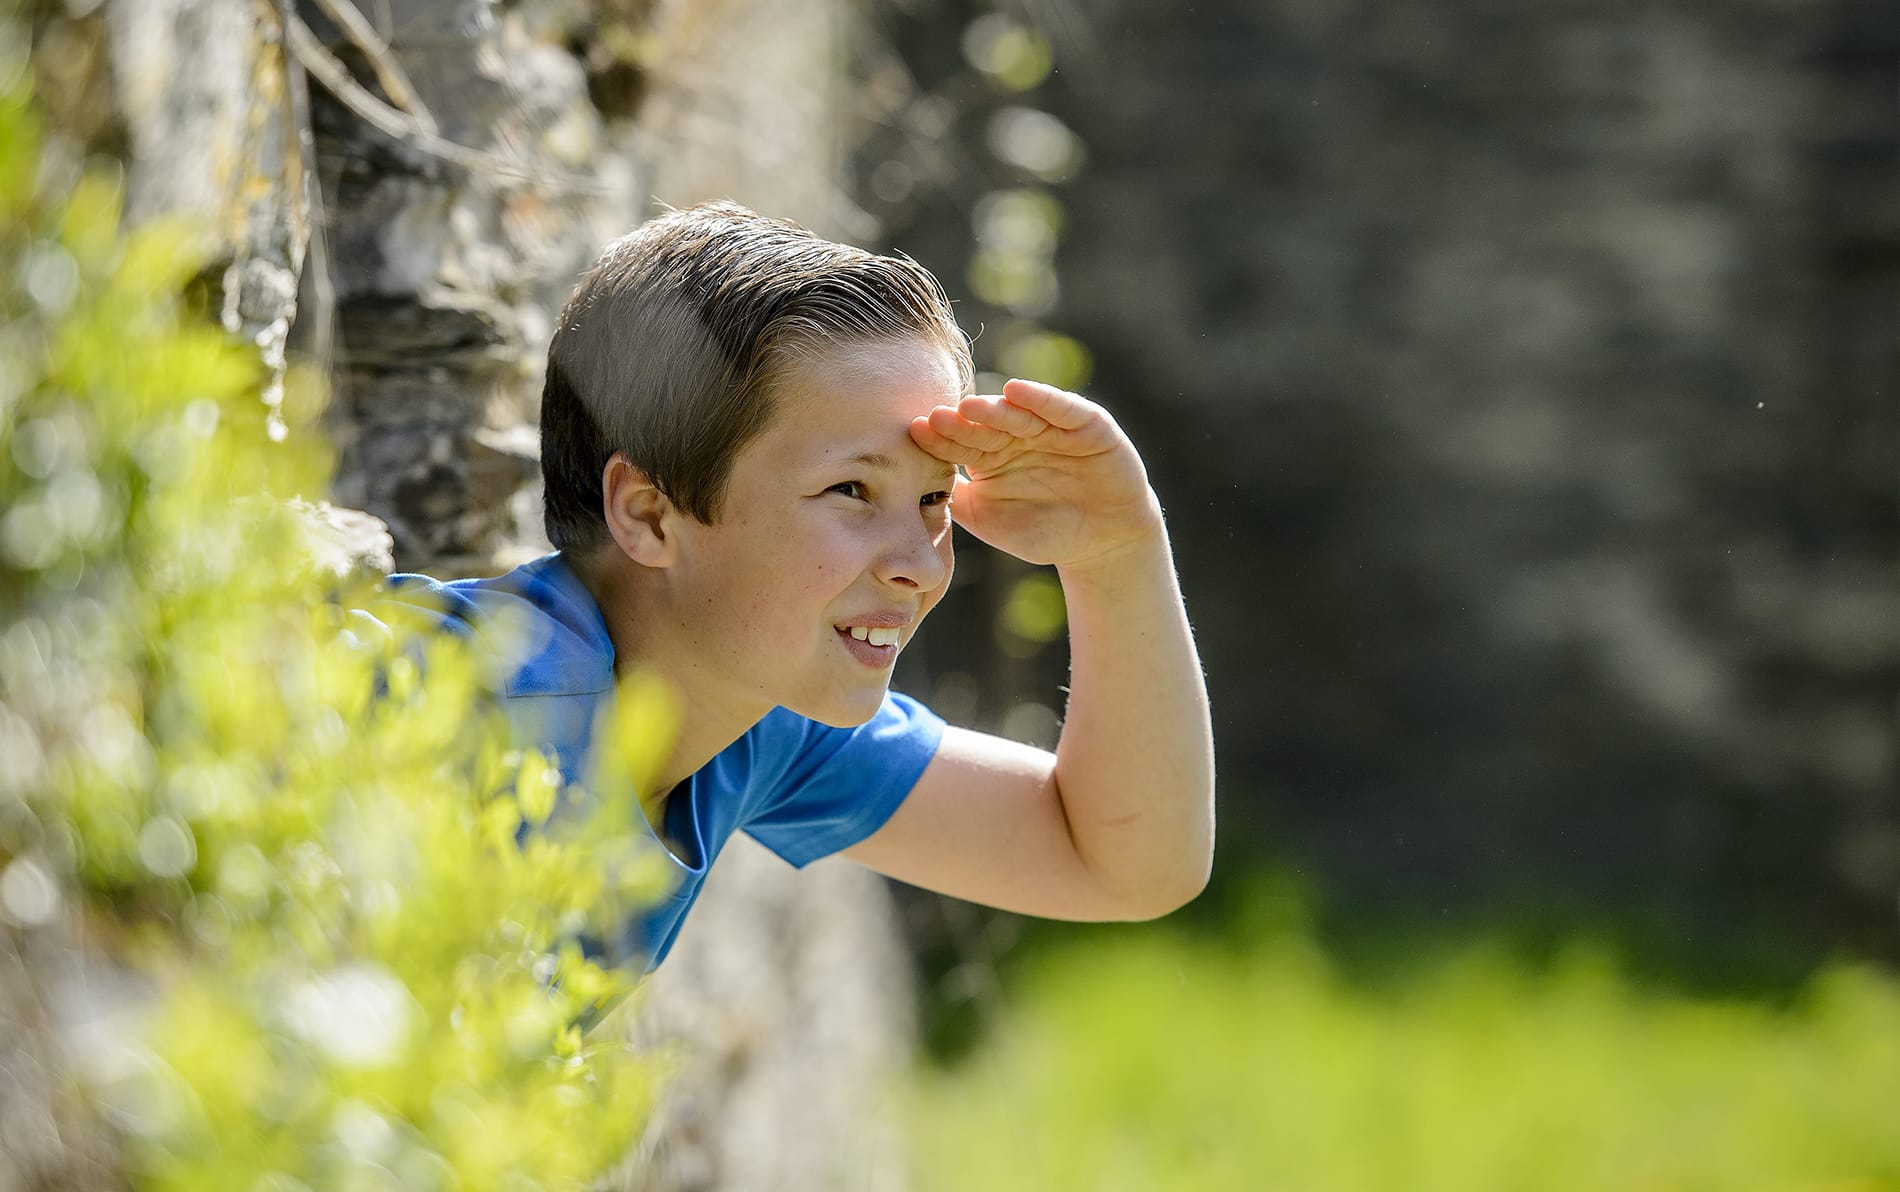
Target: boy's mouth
873	645
877	635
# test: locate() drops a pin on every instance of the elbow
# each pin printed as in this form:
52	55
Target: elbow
1163	897
1191	885
1157	872
1185	880
1187	874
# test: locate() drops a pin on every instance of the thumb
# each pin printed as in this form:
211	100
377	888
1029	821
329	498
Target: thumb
966	505
963	492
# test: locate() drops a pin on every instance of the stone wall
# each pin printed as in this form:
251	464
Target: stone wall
446	280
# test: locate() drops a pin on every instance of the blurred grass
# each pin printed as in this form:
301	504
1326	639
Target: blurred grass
1155	1061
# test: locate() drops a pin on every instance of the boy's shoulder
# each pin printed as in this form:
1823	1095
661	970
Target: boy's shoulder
538	622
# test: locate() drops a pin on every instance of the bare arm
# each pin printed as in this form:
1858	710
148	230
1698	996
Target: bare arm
1118	823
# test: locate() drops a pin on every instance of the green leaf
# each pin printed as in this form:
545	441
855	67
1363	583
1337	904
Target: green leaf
536	785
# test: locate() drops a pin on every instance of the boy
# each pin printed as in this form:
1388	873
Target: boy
751	440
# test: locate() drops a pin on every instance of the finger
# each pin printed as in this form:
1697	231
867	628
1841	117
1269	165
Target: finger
1058	407
1002	413
936	444
951	424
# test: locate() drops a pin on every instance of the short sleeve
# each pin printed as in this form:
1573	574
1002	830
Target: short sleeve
842	784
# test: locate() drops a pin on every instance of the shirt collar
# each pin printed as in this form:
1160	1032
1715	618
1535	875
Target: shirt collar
572	653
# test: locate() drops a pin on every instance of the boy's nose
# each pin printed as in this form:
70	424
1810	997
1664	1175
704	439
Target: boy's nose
917	560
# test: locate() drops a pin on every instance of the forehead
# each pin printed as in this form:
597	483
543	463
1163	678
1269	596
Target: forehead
909	364
859	399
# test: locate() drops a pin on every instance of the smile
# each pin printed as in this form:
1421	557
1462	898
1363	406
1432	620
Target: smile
874	646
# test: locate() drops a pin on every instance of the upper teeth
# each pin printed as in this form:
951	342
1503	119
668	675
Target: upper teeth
877	637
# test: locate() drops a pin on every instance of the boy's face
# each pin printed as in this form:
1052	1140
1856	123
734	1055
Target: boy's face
832	520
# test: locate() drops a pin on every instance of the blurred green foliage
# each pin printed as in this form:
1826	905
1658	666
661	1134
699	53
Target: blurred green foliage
1034	613
1156	1062
1012	55
293	846
1059	360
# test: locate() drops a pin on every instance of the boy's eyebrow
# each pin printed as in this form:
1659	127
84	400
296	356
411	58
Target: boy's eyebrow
877	459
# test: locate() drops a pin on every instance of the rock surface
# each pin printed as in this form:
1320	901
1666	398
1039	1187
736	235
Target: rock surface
786	1002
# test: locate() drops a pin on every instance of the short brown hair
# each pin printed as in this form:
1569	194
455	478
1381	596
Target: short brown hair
669	348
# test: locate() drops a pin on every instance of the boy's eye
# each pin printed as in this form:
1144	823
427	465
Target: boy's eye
935	500
850	488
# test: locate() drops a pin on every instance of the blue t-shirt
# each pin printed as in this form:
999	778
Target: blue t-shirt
802	789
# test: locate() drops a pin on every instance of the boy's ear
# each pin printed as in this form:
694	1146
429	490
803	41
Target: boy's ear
640	517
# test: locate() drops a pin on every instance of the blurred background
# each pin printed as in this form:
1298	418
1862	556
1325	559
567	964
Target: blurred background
1520	382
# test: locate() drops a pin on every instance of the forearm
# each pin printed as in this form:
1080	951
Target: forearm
1135	764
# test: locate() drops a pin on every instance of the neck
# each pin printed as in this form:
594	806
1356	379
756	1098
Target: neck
644	629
